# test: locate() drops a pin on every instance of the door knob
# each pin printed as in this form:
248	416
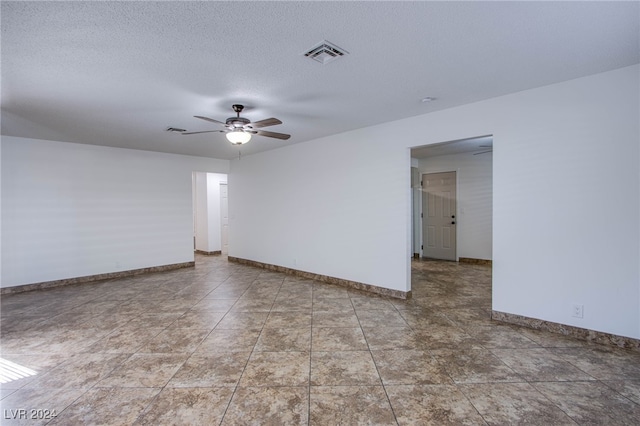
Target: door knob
453	222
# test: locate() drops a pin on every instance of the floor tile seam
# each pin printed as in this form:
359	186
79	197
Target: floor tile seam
361	385
204	297
71	403
9	394
22	386
395	418
562	359
237	385
558	405
95	385
134	352
152	400
468	398
559	355
310	362
386	394
520	380
534	382
619	393
506	365
439	363
253	350
68	360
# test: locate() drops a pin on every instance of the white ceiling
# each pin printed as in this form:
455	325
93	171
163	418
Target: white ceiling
119	73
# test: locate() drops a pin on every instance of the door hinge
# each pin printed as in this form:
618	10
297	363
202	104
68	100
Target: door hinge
421	215
422	247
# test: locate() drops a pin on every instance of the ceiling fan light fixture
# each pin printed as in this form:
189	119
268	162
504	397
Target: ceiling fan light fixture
238	137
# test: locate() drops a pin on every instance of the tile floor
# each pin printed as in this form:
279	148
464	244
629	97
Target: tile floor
223	343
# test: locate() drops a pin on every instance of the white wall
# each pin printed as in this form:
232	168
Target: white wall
335	206
72	210
474	200
566	200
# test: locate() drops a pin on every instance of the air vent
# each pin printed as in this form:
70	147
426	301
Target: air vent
174	129
325	52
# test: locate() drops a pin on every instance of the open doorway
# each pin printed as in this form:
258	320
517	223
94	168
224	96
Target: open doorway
461	189
210	218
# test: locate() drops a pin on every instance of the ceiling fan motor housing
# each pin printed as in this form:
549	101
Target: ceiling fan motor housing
234	122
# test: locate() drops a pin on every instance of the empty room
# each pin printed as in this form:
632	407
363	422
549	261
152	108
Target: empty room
320	213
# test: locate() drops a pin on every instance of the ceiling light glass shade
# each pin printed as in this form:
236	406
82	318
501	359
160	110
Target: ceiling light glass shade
238	137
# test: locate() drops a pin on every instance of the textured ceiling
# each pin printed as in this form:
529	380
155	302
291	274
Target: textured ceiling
119	73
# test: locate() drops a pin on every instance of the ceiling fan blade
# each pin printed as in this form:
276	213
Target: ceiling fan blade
266	122
205	131
482	152
209	119
282	136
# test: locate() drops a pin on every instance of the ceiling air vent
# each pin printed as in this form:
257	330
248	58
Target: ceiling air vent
325	52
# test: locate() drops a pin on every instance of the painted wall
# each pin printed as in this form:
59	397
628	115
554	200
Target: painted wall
474	216
335	206
566	200
72	210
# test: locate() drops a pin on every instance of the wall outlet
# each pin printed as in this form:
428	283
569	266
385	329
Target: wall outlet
578	311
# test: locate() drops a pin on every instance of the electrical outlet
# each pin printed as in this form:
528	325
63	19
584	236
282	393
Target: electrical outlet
578	311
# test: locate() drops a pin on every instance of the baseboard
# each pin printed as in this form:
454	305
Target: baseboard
93	278
324	278
569	330
209	253
474	261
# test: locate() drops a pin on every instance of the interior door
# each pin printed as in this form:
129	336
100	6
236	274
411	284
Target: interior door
224	218
439	215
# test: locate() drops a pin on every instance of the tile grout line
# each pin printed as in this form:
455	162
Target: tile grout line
393	412
250	354
313	286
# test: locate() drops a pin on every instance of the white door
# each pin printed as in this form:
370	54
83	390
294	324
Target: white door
439	215
224	218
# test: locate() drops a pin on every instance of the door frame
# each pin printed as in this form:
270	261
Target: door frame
222	211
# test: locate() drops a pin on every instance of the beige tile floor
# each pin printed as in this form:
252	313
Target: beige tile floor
223	343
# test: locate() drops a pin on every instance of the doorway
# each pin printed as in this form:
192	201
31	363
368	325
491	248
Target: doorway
439	215
210	209
470	238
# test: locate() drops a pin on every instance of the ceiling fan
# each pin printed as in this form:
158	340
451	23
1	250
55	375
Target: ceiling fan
239	129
